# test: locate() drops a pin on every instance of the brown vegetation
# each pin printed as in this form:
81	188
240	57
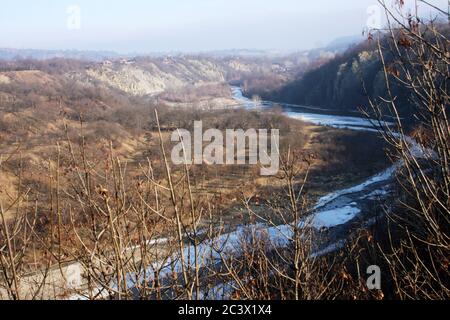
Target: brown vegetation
91	207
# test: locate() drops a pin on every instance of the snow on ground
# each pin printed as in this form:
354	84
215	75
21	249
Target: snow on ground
331	248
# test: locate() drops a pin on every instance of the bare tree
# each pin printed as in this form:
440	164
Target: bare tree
414	55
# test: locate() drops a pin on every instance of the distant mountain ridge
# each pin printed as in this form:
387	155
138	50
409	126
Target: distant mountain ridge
9	54
343	43
36	54
98	56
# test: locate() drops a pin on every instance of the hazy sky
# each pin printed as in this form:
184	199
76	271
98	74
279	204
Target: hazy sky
181	25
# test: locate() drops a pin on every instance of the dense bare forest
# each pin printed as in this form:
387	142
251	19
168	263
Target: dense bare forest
358	70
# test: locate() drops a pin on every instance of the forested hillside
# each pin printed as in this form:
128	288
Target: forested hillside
346	82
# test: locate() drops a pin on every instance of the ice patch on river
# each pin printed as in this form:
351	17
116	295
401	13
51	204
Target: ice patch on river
340	122
335	209
383	176
335	217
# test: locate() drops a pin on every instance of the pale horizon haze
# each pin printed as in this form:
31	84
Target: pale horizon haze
177	25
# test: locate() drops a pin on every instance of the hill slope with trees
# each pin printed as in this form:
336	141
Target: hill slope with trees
346	82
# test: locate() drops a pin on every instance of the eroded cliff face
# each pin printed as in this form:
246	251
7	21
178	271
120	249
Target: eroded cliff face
195	81
155	77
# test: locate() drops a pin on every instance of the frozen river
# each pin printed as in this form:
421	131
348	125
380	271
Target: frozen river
333	212
340	206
